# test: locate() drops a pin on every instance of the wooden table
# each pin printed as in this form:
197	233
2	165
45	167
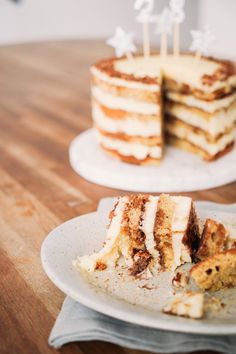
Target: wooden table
44	104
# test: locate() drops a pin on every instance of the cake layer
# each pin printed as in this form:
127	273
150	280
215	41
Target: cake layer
214	124
120	114
174	218
207	106
175	86
147	161
132	239
147	227
190	147
130	126
184	132
149	141
125	148
105	72
135	94
213	139
125	104
207	77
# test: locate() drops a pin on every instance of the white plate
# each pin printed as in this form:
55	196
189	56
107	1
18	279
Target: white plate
84	235
176	173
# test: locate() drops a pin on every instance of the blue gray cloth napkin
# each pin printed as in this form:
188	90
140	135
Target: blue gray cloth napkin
79	323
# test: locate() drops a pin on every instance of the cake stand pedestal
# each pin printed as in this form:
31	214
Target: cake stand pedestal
178	172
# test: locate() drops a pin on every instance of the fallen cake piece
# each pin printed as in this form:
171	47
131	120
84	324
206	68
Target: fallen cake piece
216	272
151	233
213	239
187	305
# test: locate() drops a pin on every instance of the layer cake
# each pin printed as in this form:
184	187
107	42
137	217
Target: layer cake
136	102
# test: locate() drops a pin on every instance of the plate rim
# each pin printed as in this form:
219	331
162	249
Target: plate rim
100	306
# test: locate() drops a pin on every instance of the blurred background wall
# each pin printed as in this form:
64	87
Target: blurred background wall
37	20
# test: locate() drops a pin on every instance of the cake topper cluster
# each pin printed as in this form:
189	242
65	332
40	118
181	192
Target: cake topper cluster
167	23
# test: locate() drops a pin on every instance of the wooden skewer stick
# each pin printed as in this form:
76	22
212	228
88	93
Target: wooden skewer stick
146	40
129	56
164	45
198	56
176	39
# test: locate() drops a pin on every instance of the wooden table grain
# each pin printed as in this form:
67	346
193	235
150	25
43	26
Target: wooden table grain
44	104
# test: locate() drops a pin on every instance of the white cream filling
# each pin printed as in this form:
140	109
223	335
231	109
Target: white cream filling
129	126
139	151
110	252
124	104
148	229
200	140
183	69
124	83
207	106
215	125
179	226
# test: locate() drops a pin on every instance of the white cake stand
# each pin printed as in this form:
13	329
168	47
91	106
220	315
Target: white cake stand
179	171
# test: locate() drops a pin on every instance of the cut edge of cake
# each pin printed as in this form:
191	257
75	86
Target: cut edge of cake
151	233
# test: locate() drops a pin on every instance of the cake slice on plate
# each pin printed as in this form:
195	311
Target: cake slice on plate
150	233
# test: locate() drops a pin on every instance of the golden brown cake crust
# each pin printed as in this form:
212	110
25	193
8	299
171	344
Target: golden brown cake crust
131	159
132	219
108	67
216	272
213	239
149	141
163	232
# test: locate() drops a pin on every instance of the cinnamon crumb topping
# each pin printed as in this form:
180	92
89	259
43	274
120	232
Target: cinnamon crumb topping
100	266
107	66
